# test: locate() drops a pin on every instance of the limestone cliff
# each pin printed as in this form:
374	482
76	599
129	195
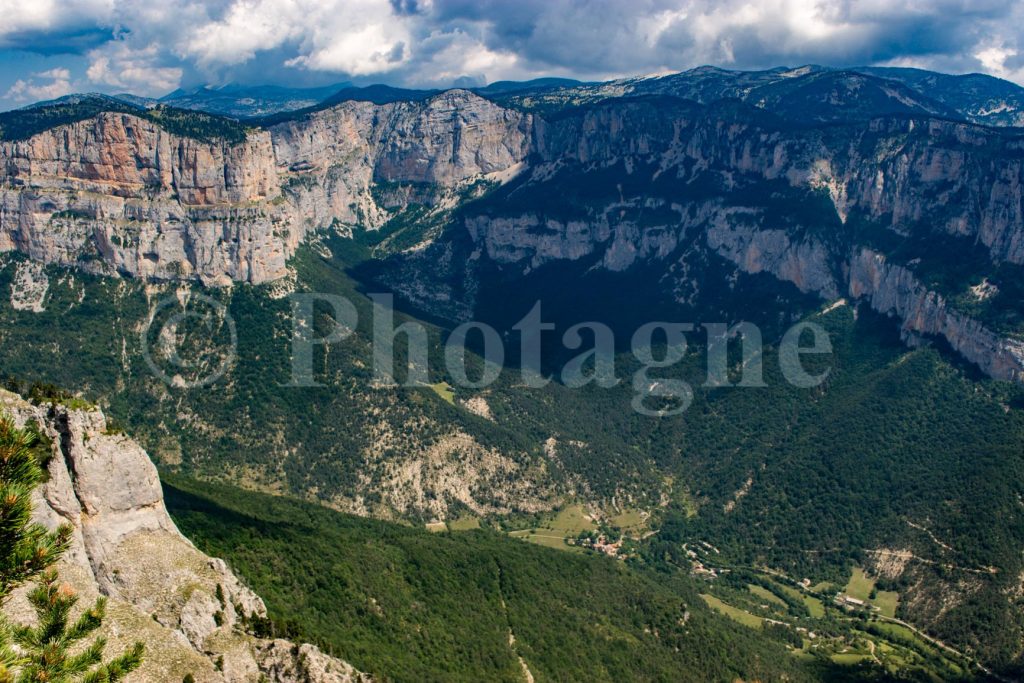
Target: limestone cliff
642	184
339	164
187	607
628	182
119	194
893	290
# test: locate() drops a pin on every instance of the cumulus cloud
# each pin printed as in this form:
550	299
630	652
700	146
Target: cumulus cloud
602	37
21	17
119	66
53	26
156	46
244	29
31	90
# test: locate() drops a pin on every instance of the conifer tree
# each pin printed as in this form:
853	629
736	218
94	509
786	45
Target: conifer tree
50	642
26	548
45	652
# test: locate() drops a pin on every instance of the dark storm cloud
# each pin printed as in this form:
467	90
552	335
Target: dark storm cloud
70	42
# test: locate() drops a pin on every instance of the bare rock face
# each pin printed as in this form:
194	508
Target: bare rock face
894	290
287	662
958	178
451	137
117	194
805	263
332	161
188	608
28	291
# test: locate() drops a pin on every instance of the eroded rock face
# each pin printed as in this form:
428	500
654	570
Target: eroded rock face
117	194
894	290
28	291
187	607
287	662
650	185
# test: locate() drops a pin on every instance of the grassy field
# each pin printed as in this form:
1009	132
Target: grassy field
436	526
860	585
902	632
745	618
443	390
765	594
464	523
814	606
550	541
546	538
571	520
886	602
790	591
632	522
568	523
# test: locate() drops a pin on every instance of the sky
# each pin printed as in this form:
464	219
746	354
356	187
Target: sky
50	48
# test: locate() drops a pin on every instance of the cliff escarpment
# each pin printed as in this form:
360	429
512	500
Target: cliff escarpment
649	183
627	183
190	610
118	193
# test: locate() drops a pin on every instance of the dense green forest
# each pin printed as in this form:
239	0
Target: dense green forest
887	453
21	124
409	605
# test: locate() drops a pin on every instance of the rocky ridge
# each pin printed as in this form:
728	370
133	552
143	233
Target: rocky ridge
188	608
644	182
118	194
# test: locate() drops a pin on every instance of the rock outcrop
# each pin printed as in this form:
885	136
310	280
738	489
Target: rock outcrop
894	290
652	184
118	194
188	608
629	181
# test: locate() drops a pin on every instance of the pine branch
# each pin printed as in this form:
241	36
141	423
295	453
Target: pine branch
90	620
28	550
118	668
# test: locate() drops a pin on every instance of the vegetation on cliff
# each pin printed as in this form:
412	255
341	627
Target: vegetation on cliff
21	124
52	649
409	605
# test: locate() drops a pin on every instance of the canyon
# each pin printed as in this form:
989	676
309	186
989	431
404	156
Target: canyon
118	194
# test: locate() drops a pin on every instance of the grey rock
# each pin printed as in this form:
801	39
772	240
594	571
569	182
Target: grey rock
190	609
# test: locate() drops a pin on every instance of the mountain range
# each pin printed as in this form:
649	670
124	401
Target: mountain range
882	511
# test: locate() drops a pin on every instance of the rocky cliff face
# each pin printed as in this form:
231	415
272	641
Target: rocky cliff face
119	194
894	290
645	184
627	181
188	608
933	176
340	165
